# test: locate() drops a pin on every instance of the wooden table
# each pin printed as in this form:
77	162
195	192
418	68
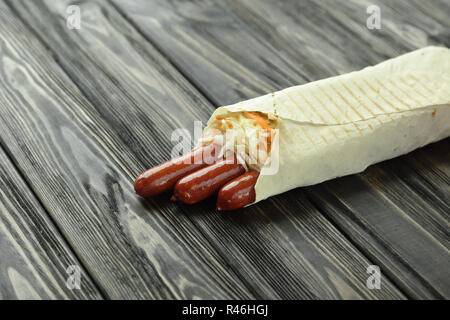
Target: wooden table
84	111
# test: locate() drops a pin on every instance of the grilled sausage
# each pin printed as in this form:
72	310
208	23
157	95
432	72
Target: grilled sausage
207	181
238	192
163	177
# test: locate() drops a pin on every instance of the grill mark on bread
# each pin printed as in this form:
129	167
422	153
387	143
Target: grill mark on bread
405	93
324	105
443	88
373	101
382	97
332	115
392	94
317	113
297	105
346	101
312	107
417	91
423	85
337	107
360	102
310	139
304	114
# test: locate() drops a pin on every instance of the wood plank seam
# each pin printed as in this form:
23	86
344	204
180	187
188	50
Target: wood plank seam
386	56
55	224
212	102
53	55
249	287
56	229
162	53
386	273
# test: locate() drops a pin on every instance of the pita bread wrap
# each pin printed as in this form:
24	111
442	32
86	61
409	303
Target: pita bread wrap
341	125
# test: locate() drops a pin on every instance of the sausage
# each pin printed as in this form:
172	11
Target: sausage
207	181
163	177
238	192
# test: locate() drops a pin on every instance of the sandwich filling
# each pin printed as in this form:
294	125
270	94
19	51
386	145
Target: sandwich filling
249	135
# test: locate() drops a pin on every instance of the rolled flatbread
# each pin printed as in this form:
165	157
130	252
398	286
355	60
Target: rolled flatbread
341	125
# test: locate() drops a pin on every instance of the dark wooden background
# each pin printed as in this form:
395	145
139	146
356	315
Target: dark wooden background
83	112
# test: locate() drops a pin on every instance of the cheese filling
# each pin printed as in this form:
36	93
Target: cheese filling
248	134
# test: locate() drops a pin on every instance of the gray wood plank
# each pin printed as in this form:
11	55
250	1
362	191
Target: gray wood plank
276	253
34	257
394	227
77	167
431	164
422	220
234	50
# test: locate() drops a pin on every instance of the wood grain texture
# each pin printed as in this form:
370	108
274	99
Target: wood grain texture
276	253
33	255
234	50
77	167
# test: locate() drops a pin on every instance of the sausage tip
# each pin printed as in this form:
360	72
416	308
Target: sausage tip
207	181
238	193
162	178
138	186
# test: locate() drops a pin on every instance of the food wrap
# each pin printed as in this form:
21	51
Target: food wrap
341	125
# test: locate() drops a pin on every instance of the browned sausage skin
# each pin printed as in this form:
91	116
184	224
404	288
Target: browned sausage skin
163	177
205	182
238	192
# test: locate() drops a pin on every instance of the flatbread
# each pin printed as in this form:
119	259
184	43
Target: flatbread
341	125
